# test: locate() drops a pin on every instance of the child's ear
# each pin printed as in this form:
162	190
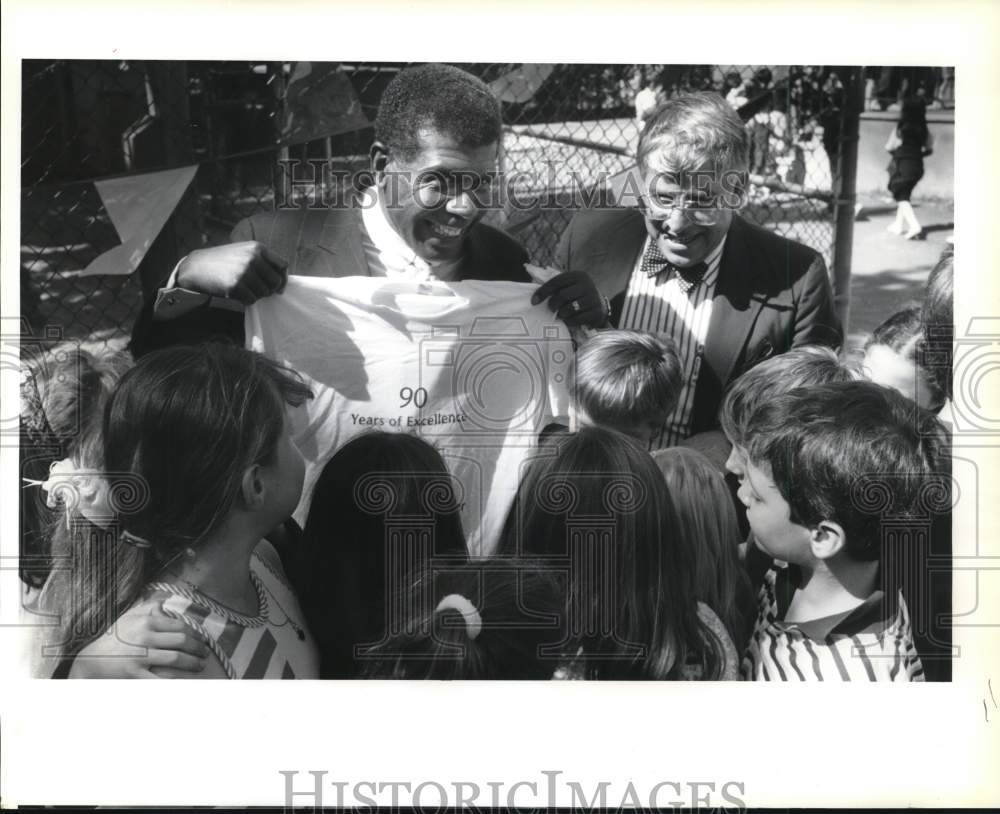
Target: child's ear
827	539
253	488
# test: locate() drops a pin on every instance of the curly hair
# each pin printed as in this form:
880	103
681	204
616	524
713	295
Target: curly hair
441	98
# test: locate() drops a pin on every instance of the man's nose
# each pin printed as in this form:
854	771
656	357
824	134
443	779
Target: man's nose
676	220
462	205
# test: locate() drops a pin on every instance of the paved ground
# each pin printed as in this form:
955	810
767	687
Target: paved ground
887	271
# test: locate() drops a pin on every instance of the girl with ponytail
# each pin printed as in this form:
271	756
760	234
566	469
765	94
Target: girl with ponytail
200	435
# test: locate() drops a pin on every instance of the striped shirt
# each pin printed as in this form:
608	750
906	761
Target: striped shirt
657	305
272	644
871	642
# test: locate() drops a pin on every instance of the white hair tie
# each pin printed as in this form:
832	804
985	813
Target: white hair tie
473	621
82	490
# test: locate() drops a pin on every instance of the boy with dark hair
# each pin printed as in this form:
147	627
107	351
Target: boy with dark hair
830	470
799	367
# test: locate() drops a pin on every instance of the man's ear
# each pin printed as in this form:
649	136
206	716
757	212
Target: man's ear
827	539
253	488
379	157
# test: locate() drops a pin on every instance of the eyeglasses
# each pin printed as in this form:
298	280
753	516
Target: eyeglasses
704	213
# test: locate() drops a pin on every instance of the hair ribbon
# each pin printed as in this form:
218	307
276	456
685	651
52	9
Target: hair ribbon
473	621
82	490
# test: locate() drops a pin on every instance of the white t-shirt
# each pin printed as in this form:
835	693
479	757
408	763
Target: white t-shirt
471	367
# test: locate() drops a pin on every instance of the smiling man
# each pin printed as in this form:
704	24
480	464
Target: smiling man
433	163
684	264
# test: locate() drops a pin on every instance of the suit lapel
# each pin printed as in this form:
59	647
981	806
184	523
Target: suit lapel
338	249
734	308
478	263
613	265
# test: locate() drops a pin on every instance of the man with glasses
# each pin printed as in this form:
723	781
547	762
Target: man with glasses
682	263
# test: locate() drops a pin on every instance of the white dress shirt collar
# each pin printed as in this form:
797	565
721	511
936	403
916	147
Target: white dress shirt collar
396	256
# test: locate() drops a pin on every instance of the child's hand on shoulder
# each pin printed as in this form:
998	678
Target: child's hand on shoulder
143	643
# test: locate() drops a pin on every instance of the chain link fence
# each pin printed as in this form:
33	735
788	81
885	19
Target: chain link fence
89	126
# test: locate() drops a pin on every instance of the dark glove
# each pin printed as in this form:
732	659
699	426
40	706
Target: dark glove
575	299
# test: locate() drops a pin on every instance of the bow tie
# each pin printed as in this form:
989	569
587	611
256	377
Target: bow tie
654	264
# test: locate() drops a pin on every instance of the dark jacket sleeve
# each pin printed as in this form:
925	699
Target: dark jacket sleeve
200	325
816	320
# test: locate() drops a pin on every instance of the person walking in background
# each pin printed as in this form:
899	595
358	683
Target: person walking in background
909	143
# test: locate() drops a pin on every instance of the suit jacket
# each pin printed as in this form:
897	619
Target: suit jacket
772	294
319	243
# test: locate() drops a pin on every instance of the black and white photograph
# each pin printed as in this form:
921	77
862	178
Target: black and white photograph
437	379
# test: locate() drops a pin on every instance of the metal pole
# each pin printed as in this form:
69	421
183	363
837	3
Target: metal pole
281	156
845	192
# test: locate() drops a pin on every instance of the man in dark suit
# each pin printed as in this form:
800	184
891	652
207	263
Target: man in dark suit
433	162
684	264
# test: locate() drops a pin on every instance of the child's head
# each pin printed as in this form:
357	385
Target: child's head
599	497
205	429
826	463
893	358
190	435
938	322
378	474
708	525
485	620
371	491
627	381
799	367
62	400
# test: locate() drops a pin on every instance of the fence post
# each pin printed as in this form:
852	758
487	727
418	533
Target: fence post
280	165
845	192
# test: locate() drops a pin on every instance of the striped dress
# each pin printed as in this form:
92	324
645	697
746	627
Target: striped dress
872	642
272	644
